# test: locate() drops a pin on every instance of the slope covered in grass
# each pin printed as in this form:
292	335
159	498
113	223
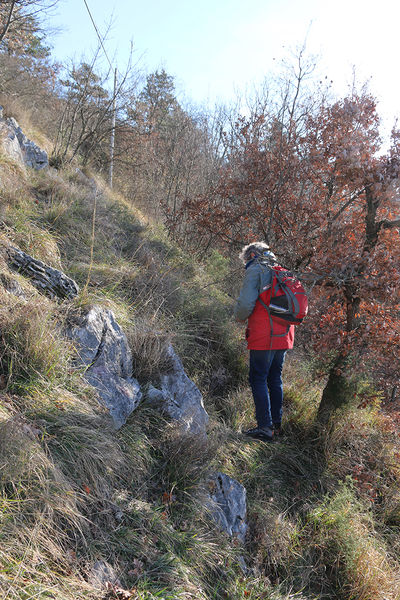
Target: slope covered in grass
82	505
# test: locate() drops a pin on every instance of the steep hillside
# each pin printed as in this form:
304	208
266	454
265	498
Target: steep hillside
93	511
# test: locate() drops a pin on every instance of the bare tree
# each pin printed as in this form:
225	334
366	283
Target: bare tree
88	109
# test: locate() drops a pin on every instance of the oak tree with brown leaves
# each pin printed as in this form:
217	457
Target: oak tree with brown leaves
323	191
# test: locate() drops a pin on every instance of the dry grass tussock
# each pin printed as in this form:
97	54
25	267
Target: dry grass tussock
12	107
344	535
31	239
13	179
56	193
32	350
59	469
41	522
365	444
149	349
19	219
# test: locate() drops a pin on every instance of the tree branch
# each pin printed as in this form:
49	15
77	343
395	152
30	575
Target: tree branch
7	24
389	224
346	205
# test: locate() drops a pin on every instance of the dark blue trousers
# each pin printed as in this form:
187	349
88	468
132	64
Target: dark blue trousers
265	377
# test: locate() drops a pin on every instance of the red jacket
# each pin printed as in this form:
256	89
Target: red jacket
258	332
257	283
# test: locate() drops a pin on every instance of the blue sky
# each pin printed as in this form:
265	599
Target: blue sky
215	47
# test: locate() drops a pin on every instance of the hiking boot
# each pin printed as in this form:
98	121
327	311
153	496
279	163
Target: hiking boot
260	433
278	431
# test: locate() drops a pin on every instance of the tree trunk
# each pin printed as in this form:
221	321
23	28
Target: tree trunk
337	391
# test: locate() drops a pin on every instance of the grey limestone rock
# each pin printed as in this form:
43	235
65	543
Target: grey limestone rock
52	282
103	349
11	144
118	394
179	397
226	504
102	573
33	156
11	285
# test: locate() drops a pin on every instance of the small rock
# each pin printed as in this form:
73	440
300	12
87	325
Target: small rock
102	573
227	505
11	285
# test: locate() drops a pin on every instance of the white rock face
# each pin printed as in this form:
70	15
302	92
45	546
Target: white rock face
103	349
179	397
18	147
10	143
227	505
34	157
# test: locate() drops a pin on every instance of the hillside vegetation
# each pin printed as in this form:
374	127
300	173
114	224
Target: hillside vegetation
91	513
323	504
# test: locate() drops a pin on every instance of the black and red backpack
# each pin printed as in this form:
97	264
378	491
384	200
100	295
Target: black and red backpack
288	304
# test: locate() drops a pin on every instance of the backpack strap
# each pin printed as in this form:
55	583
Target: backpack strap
288	292
274	273
271	321
263	304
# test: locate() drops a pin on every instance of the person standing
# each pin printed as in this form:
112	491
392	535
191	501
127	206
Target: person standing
267	340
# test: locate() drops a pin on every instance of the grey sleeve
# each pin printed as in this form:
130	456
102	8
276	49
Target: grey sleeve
248	294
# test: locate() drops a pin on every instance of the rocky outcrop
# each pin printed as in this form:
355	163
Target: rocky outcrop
52	282
19	148
226	504
103	349
10	144
179	398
